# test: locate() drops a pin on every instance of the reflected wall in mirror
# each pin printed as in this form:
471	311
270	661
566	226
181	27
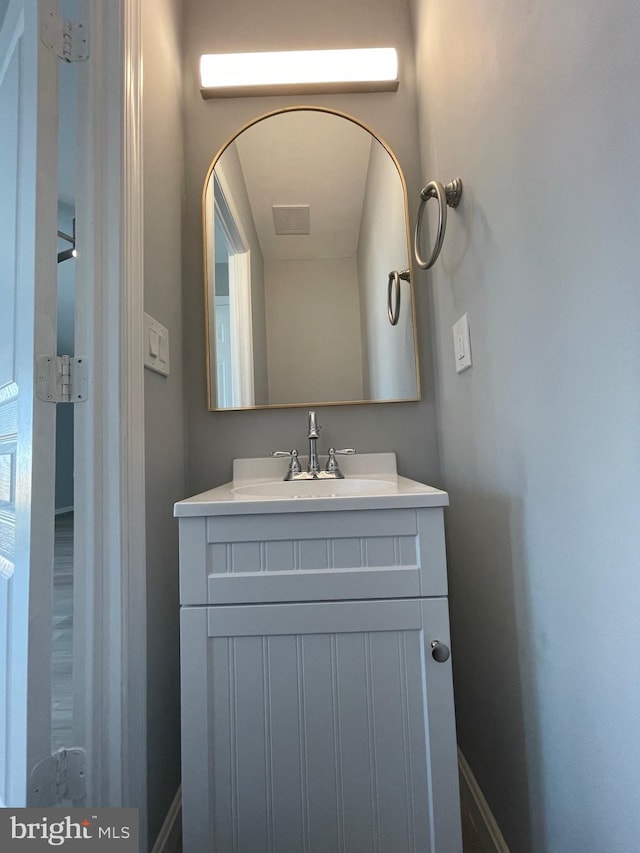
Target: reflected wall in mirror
305	215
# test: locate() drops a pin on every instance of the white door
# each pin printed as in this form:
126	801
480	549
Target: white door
318	726
28	118
242	325
223	352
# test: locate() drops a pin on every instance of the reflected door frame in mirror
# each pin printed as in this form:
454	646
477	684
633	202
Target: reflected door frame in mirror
299	268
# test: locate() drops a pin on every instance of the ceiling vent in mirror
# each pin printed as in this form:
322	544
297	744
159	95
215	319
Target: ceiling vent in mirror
292	219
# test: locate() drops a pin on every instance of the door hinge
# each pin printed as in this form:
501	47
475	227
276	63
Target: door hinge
61	379
59	777
68	40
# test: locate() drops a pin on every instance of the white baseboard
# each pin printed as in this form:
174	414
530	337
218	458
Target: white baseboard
473	801
170	832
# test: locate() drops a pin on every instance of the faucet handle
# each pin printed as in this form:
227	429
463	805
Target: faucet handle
332	462
294	465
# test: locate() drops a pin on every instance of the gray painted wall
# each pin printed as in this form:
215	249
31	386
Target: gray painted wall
327	359
164	399
536	106
382	246
228	25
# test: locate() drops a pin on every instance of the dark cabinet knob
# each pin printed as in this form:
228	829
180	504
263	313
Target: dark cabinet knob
439	651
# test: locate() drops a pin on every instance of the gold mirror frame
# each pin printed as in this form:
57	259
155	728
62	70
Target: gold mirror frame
210	345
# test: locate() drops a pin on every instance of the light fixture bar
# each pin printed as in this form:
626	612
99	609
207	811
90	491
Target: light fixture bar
299	71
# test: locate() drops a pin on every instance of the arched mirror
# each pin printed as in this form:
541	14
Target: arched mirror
305	216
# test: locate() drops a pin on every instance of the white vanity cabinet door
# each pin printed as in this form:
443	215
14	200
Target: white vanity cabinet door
318	728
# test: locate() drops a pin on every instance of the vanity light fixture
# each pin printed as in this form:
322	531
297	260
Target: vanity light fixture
296	72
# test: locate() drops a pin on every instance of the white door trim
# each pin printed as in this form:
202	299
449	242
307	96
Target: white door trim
109	463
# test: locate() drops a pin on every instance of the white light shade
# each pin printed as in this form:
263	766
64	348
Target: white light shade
367	69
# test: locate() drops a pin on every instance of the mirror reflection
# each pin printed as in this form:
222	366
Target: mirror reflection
305	216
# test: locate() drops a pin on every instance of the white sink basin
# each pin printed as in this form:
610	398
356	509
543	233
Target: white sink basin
349	487
371	482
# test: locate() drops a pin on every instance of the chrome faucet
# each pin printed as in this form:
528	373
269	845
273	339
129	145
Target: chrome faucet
314	434
314	472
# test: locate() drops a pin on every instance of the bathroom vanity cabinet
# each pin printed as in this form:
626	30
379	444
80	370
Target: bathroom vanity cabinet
315	716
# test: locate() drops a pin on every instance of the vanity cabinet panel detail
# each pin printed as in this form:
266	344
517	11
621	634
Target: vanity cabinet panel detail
318	727
312	556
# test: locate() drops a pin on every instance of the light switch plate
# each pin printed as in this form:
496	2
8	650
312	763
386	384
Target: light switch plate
462	344
156	346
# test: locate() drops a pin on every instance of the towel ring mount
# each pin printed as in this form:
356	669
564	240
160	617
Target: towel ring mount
393	294
447	195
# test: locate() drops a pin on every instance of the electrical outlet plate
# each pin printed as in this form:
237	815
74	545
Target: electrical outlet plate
462	344
156	346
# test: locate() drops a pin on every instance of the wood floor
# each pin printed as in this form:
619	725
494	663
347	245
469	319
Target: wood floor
62	643
472	839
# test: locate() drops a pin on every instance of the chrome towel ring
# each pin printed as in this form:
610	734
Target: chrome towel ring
393	294
446	195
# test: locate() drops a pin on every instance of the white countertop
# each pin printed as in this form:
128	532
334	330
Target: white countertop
376	485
